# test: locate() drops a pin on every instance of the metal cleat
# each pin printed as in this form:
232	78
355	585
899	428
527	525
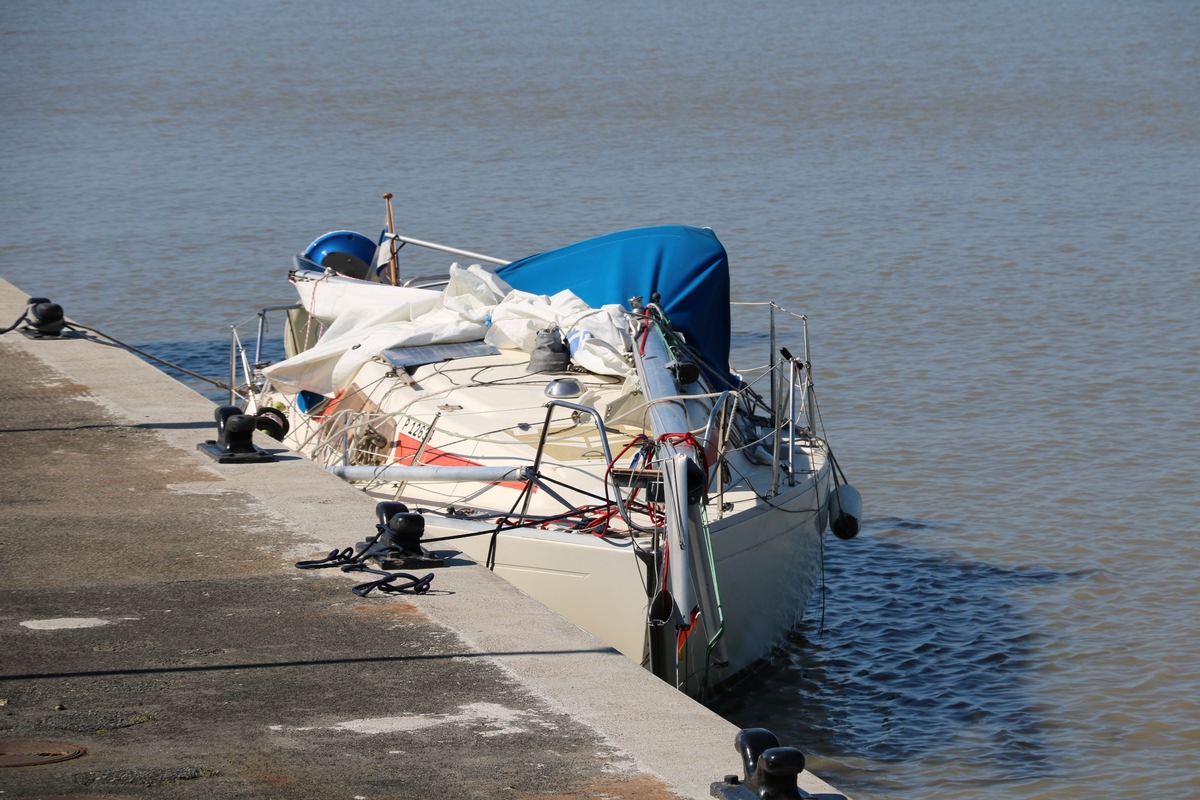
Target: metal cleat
397	543
234	443
771	770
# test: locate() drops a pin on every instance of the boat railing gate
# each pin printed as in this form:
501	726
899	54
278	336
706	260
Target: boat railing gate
577	409
237	353
789	376
716	435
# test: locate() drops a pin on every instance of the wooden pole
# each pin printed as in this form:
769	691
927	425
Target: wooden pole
392	271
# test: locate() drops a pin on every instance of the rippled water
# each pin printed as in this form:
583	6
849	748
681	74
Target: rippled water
910	673
988	211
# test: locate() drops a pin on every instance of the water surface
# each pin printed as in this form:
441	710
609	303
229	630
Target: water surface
987	210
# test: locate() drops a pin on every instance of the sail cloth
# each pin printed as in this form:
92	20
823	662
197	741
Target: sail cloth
581	288
686	266
363	319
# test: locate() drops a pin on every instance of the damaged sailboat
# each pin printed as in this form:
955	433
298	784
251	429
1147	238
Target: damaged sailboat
572	421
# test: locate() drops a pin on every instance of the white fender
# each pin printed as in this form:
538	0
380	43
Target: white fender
845	511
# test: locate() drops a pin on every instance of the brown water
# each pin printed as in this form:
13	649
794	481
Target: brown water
988	210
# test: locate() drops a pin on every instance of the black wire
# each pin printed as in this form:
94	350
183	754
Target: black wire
24	316
336	558
457	536
346	560
144	354
491	556
412	584
548	479
837	467
532	521
824	593
75	326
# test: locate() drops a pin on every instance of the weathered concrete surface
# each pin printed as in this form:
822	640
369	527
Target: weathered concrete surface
150	612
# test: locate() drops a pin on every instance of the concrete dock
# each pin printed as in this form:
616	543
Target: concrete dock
151	615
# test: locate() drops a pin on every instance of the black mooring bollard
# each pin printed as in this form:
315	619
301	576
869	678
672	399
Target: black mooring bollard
235	439
771	770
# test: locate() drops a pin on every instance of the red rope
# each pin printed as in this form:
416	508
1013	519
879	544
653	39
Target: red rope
682	635
645	334
686	439
612	510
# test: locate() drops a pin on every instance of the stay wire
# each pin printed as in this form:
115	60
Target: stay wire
76	326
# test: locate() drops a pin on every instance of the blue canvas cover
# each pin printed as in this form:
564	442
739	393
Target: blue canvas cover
687	266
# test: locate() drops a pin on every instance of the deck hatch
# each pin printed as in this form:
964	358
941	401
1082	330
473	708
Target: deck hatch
433	353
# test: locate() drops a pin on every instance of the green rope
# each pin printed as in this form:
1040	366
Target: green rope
712	575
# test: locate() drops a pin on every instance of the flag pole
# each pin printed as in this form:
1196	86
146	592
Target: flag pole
387	199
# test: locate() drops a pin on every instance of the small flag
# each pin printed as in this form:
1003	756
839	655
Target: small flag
383	254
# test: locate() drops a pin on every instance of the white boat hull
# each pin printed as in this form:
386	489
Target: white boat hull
768	565
654	498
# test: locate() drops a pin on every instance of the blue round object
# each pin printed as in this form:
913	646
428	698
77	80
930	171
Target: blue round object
349	242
